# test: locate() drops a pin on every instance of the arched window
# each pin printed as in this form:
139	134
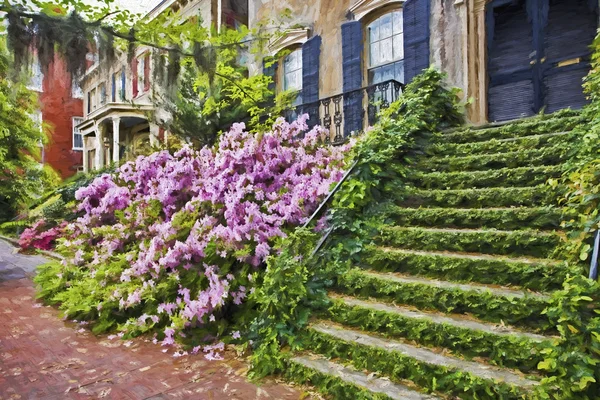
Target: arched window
292	73
386	48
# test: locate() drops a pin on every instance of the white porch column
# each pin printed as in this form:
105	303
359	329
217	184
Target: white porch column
99	161
85	155
116	139
98	156
154	131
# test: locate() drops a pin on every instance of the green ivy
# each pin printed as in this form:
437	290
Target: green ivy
510	351
573	360
284	299
498	218
402	367
521	158
536	275
560	121
330	385
498	145
488	197
524	311
523	176
519	243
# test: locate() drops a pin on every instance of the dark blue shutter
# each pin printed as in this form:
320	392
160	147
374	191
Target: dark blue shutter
416	37
311	54
272	72
352	51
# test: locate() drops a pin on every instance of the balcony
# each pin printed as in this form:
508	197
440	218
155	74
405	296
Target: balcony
344	114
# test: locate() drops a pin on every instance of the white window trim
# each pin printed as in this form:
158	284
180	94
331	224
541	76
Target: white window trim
361	8
73	132
289	38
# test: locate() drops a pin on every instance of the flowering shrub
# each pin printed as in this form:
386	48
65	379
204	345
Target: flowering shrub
171	242
40	236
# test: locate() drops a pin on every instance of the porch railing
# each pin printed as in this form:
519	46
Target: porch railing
351	112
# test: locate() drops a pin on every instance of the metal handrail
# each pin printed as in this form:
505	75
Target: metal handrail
594	263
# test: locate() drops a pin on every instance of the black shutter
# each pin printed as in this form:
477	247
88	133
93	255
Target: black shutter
352	51
272	72
311	54
416	38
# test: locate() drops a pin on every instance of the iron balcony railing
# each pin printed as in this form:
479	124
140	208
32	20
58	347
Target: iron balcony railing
343	115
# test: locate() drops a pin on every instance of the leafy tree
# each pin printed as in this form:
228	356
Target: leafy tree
215	88
22	177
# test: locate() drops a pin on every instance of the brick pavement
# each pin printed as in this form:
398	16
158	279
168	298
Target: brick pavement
42	357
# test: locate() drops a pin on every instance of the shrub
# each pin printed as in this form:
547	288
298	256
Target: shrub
171	242
41	235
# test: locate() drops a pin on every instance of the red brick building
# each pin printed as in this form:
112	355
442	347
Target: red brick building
61	110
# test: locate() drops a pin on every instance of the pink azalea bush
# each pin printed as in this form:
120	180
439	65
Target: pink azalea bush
172	242
40	236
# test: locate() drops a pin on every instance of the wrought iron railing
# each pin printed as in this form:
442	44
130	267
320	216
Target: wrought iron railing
343	115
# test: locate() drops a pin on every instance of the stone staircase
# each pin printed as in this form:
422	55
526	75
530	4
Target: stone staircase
448	300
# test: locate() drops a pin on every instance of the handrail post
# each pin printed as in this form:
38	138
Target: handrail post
594	262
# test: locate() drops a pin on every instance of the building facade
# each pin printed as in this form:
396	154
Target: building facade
118	110
511	58
60	112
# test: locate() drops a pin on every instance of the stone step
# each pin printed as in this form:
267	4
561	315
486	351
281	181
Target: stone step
565	113
531	196
465	287
556	139
528	273
462	335
487	302
513	130
531	243
455	320
423	356
353	377
477	162
503	177
501	218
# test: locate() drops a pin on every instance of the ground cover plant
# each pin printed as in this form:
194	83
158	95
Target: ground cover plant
176	241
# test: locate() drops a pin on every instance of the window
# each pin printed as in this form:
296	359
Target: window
36	117
143	73
77	136
386	48
37	76
76	91
118	86
102	89
89	102
292	73
94	99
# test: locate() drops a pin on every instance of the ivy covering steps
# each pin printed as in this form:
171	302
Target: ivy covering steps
448	298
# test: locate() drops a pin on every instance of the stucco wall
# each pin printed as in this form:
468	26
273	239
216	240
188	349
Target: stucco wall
324	18
448	39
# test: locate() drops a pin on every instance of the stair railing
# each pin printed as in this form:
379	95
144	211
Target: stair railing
594	262
321	207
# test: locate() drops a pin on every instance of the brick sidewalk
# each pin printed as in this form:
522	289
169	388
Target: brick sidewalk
41	357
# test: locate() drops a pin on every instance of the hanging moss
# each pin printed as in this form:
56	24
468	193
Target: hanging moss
20	39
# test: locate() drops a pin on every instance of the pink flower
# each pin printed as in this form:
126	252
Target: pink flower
236	335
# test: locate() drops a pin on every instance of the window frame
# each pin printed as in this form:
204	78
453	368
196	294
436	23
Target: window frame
73	133
394	62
